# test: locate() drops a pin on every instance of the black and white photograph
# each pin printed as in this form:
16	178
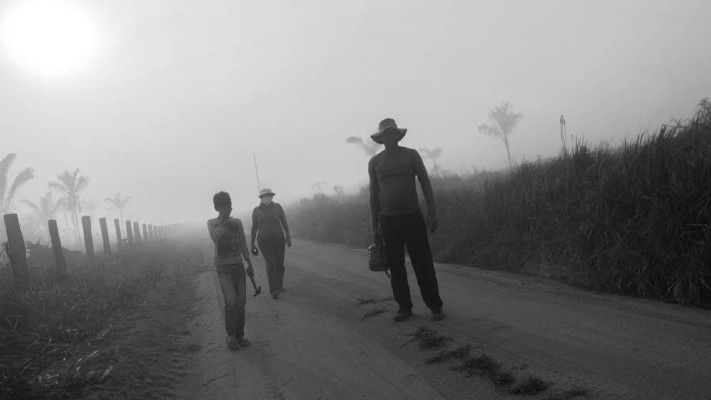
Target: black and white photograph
355	200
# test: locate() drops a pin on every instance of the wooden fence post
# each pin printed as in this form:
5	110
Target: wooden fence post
117	225
152	231
129	233
16	250
137	232
88	239
145	233
105	236
59	262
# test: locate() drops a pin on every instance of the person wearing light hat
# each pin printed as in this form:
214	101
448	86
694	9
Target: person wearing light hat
397	220
271	232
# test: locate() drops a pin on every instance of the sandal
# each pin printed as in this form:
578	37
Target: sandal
243	342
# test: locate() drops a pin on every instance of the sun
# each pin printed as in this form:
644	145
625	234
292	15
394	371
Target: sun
48	37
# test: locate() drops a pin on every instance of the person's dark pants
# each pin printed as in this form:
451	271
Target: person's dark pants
234	290
272	248
400	231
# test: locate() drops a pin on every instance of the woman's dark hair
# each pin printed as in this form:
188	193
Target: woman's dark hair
221	199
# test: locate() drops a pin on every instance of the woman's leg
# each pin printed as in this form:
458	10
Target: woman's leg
280	249
266	246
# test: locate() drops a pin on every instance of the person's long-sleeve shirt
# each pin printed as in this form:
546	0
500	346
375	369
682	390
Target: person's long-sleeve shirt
269	220
392	174
230	241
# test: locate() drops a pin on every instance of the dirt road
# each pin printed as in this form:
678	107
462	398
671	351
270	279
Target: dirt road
316	342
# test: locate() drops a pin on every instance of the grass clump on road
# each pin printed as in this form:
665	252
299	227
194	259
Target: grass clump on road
359	301
373	313
504	379
482	364
485	365
428	339
571	394
530	386
442	356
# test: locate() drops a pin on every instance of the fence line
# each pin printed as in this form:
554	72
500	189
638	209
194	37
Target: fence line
16	248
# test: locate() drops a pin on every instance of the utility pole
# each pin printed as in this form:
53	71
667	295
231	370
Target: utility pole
256	171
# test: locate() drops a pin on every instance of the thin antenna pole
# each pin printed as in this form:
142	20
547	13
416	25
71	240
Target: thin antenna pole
256	171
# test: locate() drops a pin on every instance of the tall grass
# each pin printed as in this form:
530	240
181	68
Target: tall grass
633	220
44	324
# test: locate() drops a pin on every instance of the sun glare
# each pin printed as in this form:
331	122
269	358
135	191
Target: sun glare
51	38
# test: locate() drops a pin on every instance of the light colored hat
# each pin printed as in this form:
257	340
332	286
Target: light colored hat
387	125
266	192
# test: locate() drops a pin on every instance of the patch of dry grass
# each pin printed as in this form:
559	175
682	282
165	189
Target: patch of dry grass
359	301
442	356
531	385
427	338
43	326
573	393
373	313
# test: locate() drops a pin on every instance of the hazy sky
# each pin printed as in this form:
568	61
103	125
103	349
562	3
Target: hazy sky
177	95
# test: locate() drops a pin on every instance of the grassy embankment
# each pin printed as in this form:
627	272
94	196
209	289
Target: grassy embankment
632	220
45	331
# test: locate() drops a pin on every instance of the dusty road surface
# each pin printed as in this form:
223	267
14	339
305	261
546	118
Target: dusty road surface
318	342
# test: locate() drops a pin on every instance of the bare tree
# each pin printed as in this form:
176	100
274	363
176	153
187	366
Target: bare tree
370	148
317	187
70	184
7	195
119	203
502	120
433	155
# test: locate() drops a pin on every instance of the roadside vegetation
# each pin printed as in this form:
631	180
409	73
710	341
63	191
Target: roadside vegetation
50	334
632	220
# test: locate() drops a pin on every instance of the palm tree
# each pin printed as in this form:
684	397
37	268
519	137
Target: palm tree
503	120
23	177
119	203
433	155
369	148
44	210
70	184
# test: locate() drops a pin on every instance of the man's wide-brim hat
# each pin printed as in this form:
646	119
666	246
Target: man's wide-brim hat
266	192
388	127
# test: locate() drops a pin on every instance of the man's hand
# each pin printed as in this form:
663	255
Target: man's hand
288	241
432	224
250	270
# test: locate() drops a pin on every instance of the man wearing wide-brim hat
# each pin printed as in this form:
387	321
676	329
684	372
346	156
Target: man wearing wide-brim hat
397	220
